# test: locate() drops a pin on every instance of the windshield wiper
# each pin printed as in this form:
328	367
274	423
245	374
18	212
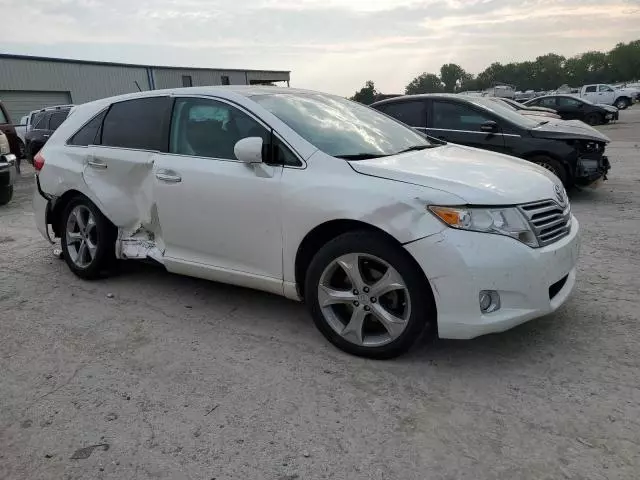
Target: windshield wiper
361	156
414	148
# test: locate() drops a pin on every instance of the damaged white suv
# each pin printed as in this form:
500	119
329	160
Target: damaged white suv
381	232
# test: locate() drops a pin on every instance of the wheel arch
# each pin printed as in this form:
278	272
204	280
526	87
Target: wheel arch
569	169
327	231
625	97
60	204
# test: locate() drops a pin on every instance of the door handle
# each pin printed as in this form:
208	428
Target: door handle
168	176
96	163
46	136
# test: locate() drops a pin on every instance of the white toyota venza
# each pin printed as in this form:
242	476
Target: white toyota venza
384	233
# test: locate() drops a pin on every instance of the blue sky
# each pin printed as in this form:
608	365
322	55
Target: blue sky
329	45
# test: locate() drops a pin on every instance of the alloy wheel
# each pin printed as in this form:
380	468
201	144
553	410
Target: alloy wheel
81	236
364	299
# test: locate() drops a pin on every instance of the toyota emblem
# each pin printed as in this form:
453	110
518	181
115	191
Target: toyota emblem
560	194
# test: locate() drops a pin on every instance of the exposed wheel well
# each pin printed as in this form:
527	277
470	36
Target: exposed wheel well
323	233
567	168
56	213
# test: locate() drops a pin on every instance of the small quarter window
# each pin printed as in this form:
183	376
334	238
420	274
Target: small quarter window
90	133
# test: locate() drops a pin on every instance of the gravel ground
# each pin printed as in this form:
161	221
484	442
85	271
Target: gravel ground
180	378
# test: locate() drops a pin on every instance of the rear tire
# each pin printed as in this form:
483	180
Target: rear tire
594	119
622	103
87	238
376	309
6	194
553	166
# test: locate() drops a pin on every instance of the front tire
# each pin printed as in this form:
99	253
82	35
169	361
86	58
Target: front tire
87	239
368	296
6	194
553	166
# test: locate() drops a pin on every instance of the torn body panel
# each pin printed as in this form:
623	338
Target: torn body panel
122	182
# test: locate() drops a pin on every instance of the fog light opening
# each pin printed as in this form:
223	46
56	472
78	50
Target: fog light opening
489	301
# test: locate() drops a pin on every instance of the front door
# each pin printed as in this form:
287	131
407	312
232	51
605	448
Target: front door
458	122
220	218
570	108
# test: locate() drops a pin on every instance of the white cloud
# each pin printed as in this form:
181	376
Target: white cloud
332	45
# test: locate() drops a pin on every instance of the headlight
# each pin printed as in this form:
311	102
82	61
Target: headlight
501	221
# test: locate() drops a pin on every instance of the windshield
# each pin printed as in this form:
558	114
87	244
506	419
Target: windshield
505	112
342	128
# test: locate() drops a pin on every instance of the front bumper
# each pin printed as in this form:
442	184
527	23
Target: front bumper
592	169
7	170
532	282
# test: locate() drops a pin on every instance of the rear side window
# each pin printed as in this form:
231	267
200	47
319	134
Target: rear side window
549	102
57	118
412	113
590	89
3	117
90	133
141	124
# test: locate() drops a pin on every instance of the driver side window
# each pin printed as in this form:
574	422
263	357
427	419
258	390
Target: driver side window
208	128
605	88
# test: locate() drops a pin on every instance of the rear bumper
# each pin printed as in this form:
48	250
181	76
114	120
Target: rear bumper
41	210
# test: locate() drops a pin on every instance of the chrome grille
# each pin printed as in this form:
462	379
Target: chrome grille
548	219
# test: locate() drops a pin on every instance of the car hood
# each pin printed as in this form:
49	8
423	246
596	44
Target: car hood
568	130
608	108
479	177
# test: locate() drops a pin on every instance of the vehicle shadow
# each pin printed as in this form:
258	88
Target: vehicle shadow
267	312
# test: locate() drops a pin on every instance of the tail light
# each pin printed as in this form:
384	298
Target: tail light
38	161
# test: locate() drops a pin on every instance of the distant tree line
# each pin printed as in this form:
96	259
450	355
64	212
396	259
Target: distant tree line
546	72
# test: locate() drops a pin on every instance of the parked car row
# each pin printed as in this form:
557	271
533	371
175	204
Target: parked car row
573	153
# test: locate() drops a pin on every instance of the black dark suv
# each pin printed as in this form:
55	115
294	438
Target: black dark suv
45	122
574	152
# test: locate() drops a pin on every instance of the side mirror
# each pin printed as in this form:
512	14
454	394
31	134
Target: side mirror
249	150
489	127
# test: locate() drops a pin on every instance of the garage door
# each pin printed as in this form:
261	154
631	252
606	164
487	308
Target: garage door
21	102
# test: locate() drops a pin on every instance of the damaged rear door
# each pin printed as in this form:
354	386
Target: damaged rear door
118	171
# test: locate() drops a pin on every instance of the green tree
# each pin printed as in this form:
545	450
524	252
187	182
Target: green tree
366	94
452	76
425	83
624	61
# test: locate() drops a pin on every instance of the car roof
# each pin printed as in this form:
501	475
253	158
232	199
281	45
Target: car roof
224	91
405	98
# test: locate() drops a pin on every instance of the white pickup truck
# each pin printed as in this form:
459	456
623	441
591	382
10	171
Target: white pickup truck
620	98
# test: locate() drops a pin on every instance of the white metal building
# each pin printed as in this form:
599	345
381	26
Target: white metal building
29	83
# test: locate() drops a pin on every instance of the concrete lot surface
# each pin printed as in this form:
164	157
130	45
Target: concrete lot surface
177	378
